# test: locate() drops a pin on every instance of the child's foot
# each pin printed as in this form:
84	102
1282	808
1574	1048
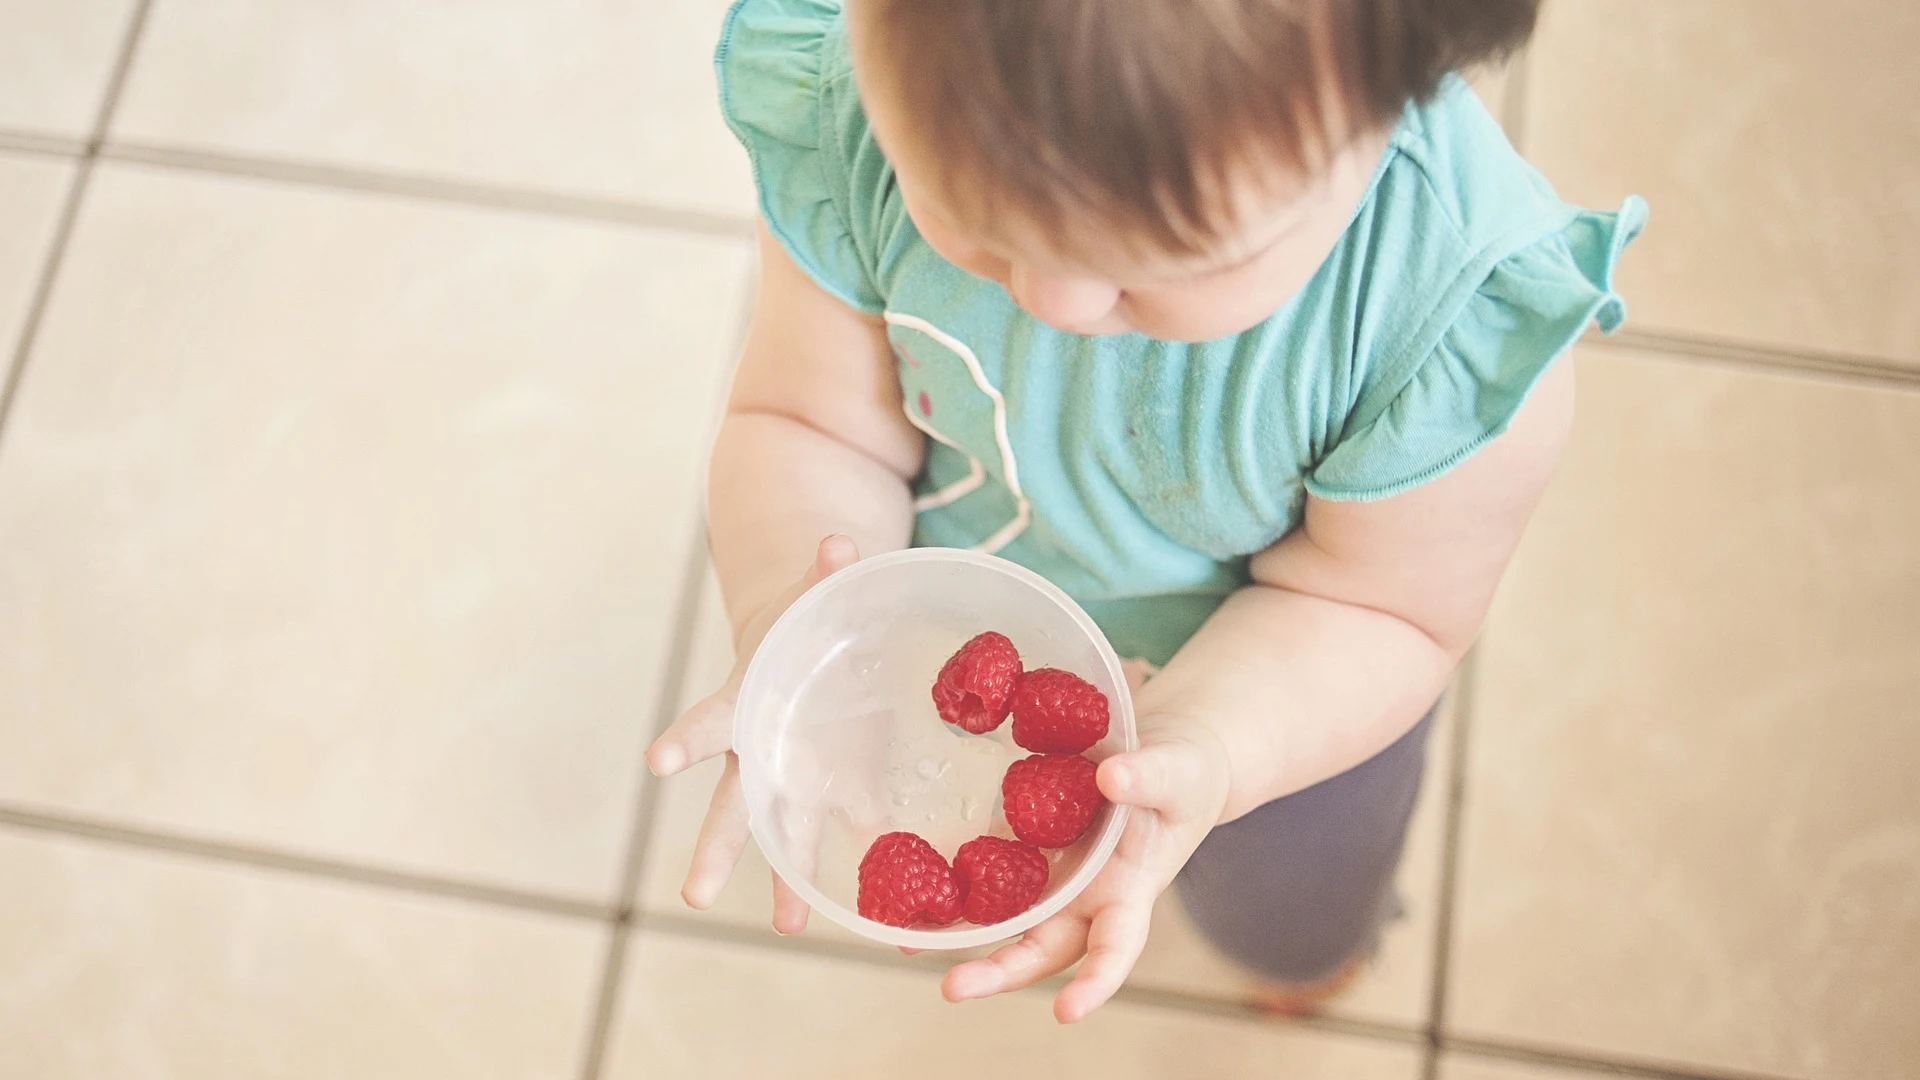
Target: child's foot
1306	999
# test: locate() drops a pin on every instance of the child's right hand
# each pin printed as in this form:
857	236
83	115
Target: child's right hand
706	729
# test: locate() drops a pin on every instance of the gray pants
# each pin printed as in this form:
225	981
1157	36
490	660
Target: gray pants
1299	886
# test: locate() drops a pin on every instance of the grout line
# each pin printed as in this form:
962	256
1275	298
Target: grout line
1226	1009
1538	1055
722	932
666	710
931	964
701	222
117	79
41	298
606	998
56	253
686	624
1444	902
679	647
1854	368
28	142
725	933
225	852
666	707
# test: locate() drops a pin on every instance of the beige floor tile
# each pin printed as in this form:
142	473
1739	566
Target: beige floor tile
584	97
710	660
1463	1067
1692	830
32	191
1398	986
686	1004
350	524
1778	145
56	57
115	962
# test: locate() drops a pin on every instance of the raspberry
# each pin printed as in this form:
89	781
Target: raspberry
904	882
1050	799
972	688
1001	878
1057	712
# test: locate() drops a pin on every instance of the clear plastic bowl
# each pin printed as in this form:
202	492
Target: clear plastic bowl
839	741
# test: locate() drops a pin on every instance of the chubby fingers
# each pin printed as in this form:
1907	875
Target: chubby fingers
723	836
1114	942
701	732
1178	775
1137	671
1042	952
789	911
834	554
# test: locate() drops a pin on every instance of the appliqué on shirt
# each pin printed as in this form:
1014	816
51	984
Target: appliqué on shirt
920	415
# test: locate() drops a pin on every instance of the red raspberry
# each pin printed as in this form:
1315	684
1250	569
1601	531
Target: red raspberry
973	686
1057	712
904	882
1050	799
1001	878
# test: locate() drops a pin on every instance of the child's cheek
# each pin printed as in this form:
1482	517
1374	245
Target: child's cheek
960	252
978	263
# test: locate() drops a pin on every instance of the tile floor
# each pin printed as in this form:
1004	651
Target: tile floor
361	359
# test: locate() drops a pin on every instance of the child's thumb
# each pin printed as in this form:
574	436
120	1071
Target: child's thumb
835	553
1171	773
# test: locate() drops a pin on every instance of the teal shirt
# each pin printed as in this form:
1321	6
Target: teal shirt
1137	474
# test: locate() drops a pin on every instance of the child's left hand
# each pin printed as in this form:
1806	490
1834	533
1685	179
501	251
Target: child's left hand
1177	784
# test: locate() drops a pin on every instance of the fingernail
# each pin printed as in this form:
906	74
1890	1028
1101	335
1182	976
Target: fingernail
663	762
833	547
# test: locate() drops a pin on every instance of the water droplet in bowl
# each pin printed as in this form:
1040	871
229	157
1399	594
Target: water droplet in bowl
929	769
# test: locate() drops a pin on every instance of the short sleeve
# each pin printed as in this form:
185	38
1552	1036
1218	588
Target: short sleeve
1532	307
773	68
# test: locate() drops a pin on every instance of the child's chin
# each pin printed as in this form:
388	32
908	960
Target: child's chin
1198	330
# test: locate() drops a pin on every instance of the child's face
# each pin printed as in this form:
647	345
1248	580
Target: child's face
1280	232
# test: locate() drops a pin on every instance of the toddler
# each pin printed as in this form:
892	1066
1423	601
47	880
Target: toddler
1238	320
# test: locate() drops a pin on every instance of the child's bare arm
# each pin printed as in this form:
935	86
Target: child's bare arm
813	447
1358	619
1349	633
813	443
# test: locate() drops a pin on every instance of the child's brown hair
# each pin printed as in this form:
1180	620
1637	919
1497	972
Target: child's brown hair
1138	110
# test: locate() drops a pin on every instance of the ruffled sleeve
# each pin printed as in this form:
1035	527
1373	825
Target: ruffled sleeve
774	66
1532	306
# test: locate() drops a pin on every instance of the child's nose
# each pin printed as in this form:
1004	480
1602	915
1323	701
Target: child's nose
1062	302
